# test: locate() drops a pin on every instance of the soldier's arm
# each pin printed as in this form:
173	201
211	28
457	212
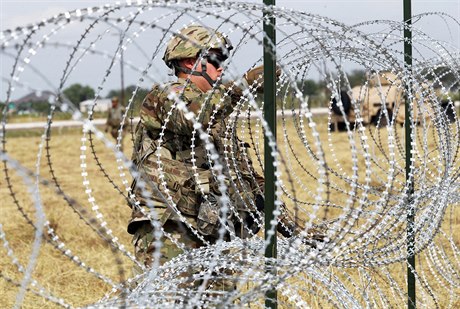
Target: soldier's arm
288	226
253	79
235	93
109	117
108	121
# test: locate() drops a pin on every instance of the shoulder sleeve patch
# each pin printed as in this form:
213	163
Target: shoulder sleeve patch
177	88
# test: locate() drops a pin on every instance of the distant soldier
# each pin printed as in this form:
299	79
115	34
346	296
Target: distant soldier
114	120
185	193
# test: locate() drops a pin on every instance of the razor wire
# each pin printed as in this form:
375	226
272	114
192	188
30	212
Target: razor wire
359	201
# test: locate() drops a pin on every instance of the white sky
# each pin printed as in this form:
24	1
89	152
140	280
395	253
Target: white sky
19	12
15	13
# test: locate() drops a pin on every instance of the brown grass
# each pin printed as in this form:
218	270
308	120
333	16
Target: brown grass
64	279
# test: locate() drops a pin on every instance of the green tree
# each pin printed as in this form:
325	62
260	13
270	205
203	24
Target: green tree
77	93
356	77
309	87
113	93
442	75
140	95
36	107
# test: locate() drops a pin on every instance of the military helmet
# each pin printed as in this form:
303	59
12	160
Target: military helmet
193	40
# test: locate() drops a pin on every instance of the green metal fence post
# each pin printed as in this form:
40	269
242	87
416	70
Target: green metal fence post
411	303
270	116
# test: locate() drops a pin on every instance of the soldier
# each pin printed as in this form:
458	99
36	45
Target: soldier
185	191
114	120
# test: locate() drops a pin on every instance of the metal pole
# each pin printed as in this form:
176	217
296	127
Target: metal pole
270	117
411	304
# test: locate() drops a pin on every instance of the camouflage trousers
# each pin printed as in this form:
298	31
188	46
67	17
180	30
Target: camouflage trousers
144	249
114	133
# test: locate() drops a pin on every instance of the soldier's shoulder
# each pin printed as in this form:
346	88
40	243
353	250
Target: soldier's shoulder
172	90
182	88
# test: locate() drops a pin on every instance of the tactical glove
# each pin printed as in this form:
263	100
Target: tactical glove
255	77
314	236
287	227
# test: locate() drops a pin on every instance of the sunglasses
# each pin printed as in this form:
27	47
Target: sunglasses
216	59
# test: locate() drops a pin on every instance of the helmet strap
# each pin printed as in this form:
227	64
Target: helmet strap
203	72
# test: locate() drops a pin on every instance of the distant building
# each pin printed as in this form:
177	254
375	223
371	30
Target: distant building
34	102
101	105
36	96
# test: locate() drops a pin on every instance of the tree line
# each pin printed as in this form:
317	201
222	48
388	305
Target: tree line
74	94
317	91
77	93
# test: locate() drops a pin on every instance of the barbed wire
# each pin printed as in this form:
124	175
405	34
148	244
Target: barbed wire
342	174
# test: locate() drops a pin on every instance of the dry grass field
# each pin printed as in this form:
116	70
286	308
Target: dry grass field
55	271
77	287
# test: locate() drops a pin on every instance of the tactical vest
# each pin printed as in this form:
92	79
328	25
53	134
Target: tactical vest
185	172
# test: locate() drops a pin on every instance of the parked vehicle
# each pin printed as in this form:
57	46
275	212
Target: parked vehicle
380	101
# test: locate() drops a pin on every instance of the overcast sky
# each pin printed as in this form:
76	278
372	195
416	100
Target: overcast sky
15	13
18	12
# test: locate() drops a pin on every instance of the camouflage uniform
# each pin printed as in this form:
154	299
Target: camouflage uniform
177	167
113	123
178	179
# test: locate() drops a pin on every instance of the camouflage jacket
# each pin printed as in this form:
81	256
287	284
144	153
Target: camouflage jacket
115	116
162	119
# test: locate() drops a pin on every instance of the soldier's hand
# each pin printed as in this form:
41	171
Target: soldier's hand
255	76
313	238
